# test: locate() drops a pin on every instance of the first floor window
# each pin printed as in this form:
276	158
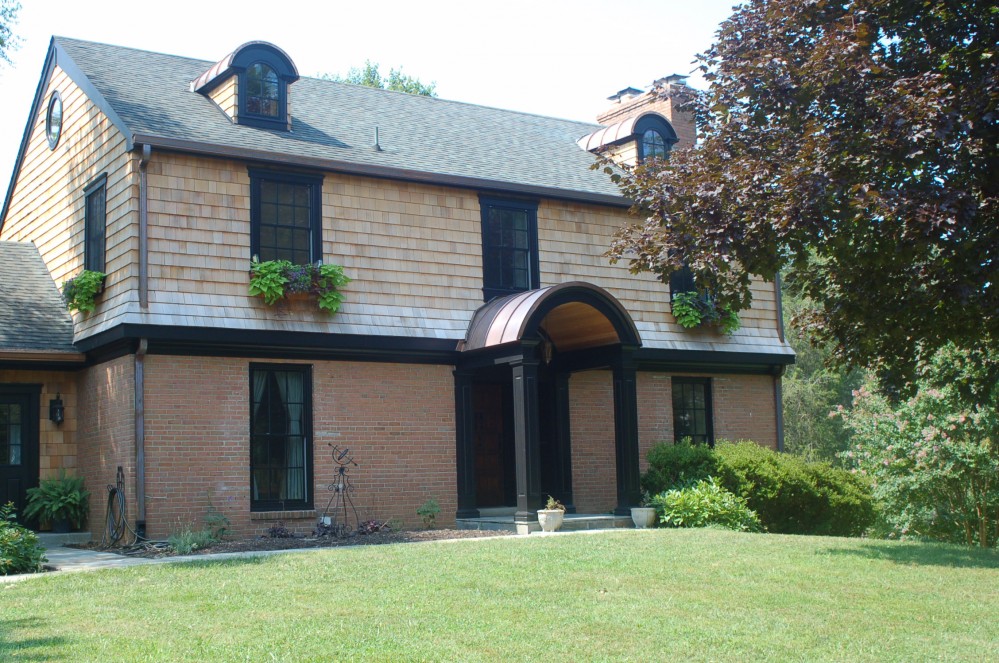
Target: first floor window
509	246
286	216
95	224
692	410
280	434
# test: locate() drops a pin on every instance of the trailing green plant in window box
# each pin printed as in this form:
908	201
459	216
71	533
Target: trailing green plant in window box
275	280
692	309
79	292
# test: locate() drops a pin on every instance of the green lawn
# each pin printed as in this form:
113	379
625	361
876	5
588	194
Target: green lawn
630	595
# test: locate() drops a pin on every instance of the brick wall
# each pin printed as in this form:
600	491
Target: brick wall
594	470
742	405
106	433
398	421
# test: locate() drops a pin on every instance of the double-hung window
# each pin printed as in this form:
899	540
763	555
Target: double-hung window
286	216
692	410
280	437
95	224
509	246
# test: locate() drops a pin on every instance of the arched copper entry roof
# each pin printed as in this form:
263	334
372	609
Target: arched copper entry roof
574	315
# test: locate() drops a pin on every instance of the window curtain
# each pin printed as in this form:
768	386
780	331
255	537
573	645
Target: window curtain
259	385
292	389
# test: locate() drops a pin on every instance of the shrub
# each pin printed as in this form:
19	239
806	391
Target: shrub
793	496
428	512
188	540
675	465
705	503
934	458
20	551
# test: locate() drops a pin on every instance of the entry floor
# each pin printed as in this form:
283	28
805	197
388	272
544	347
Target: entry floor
502	519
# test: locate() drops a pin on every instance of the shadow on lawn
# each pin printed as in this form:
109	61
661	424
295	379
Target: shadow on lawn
27	649
922	554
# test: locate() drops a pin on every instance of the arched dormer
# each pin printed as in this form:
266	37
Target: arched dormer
250	85
633	140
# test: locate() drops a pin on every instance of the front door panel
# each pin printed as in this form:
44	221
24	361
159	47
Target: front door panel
18	448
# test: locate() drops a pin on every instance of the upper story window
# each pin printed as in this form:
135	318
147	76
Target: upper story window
250	85
263	95
692	410
655	136
653	145
682	280
95	224
286	216
509	246
53	120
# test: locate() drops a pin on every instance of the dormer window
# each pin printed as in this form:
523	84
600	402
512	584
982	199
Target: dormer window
250	85
263	96
655	136
647	136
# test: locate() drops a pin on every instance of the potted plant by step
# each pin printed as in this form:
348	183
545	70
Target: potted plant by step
644	516
551	516
61	502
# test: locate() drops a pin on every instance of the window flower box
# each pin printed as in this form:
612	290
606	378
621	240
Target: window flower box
80	291
280	280
691	309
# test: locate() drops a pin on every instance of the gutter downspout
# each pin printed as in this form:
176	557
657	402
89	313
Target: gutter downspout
778	389
147	152
140	438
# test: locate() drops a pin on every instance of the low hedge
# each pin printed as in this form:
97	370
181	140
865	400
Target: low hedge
790	495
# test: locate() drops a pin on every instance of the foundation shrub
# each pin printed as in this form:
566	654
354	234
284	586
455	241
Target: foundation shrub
793	496
789	494
20	551
705	504
676	465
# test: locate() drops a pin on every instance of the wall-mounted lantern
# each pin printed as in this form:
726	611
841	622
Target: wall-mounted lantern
57	412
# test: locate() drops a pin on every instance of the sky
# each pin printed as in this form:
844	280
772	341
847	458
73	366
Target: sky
561	58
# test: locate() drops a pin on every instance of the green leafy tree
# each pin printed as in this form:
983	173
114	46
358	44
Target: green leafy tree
855	145
8	18
812	390
370	76
934	458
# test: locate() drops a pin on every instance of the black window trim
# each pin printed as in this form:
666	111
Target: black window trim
263	121
315	181
486	202
54	142
709	432
308	504
660	124
96	263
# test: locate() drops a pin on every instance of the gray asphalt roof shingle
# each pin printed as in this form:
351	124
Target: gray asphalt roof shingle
334	121
32	313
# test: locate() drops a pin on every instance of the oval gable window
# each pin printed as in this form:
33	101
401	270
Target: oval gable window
53	120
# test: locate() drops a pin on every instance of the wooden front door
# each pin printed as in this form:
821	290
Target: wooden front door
493	467
18	447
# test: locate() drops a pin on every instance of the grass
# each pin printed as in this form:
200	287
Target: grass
655	595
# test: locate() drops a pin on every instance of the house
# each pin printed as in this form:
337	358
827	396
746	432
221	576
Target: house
485	355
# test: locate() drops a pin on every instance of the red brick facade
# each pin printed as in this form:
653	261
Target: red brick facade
397	419
106	433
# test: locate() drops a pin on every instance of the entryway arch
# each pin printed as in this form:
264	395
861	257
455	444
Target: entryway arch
530	343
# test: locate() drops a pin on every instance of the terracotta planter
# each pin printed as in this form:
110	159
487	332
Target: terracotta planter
643	516
550	519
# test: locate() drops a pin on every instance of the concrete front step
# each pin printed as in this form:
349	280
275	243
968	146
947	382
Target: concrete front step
571	522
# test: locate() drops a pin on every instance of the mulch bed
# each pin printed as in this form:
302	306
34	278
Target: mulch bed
157	549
